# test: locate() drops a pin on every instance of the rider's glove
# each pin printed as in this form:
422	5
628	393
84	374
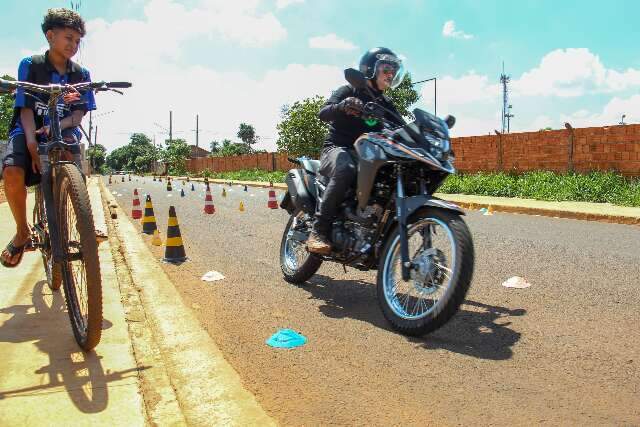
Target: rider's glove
351	106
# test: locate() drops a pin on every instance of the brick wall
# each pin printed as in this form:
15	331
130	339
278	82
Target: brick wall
614	148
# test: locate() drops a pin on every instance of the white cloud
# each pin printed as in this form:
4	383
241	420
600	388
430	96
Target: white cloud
449	30
163	80
571	73
281	4
331	41
611	113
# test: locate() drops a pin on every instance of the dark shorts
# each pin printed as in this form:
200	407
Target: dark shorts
17	154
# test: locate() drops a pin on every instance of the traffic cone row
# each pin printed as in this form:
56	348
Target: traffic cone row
136	212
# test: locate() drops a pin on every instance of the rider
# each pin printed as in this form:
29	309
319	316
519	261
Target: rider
383	69
63	29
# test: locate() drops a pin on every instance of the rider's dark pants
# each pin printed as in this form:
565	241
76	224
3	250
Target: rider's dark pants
340	168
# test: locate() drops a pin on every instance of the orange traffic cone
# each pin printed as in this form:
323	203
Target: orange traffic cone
273	203
136	212
208	202
149	219
174	249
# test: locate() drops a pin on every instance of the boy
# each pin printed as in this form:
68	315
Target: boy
63	29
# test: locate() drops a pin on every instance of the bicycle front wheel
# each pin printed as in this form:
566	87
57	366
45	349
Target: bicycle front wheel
81	269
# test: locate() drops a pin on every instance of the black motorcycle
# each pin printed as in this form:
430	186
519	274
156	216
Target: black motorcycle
391	222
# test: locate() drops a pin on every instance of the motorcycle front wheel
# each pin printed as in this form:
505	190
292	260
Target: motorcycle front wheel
442	260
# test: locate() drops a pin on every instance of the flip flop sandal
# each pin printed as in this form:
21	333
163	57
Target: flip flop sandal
15	250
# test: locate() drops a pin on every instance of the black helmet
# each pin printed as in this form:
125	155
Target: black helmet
377	56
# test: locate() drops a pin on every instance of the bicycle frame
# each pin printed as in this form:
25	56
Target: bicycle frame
49	160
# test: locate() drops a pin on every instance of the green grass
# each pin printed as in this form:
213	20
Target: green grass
595	187
247	175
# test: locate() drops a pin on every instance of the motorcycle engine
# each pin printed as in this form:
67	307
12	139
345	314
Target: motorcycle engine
351	237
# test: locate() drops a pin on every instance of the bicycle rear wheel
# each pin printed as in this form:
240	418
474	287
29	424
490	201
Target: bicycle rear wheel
54	271
81	269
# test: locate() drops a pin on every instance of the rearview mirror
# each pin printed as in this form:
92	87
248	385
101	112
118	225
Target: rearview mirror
355	78
450	121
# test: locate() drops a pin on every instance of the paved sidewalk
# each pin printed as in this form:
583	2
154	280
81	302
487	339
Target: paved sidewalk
45	379
603	212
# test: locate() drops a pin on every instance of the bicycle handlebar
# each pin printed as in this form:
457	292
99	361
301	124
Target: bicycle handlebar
6	86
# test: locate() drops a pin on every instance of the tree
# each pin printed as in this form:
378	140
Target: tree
229	149
247	134
175	155
301	132
214	146
128	157
97	156
6	111
404	96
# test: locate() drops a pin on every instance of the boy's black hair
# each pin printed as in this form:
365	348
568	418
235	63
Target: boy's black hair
63	18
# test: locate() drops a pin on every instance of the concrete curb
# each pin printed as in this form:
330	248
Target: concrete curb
208	389
497	204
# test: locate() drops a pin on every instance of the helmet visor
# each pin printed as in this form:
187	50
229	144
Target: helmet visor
392	68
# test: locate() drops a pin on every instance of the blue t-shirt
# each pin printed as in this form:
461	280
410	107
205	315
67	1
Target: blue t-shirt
39	106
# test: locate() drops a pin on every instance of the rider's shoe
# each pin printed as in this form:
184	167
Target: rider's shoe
318	244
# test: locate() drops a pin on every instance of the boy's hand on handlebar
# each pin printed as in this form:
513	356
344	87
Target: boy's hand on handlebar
72	95
351	106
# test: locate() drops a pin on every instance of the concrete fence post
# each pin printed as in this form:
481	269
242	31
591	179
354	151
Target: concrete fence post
570	147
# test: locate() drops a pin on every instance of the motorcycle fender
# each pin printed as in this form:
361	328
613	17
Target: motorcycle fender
413	203
298	192
287	203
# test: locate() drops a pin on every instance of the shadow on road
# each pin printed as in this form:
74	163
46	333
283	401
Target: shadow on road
482	332
80	373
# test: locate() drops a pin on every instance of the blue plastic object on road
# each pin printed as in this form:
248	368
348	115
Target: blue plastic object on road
286	338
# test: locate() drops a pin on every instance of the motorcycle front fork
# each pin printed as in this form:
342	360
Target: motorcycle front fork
402	217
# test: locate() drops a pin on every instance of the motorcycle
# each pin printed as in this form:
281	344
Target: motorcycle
420	245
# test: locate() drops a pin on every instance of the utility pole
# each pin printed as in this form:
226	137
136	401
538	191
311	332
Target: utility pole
197	137
170	127
90	126
506	107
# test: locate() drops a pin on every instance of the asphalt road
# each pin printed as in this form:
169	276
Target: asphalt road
564	351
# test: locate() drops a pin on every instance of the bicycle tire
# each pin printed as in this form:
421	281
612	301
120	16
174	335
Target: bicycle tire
53	271
72	194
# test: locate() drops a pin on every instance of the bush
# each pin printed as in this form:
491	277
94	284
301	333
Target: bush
595	187
247	175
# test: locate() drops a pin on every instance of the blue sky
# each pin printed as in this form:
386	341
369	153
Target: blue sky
569	61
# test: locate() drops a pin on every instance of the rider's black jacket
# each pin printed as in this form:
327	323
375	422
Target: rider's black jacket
345	129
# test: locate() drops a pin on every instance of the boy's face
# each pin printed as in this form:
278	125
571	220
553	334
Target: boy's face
64	41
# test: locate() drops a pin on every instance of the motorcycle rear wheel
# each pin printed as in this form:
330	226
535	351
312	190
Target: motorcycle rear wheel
296	263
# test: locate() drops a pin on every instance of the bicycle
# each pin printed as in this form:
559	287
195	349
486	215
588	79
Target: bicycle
63	228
